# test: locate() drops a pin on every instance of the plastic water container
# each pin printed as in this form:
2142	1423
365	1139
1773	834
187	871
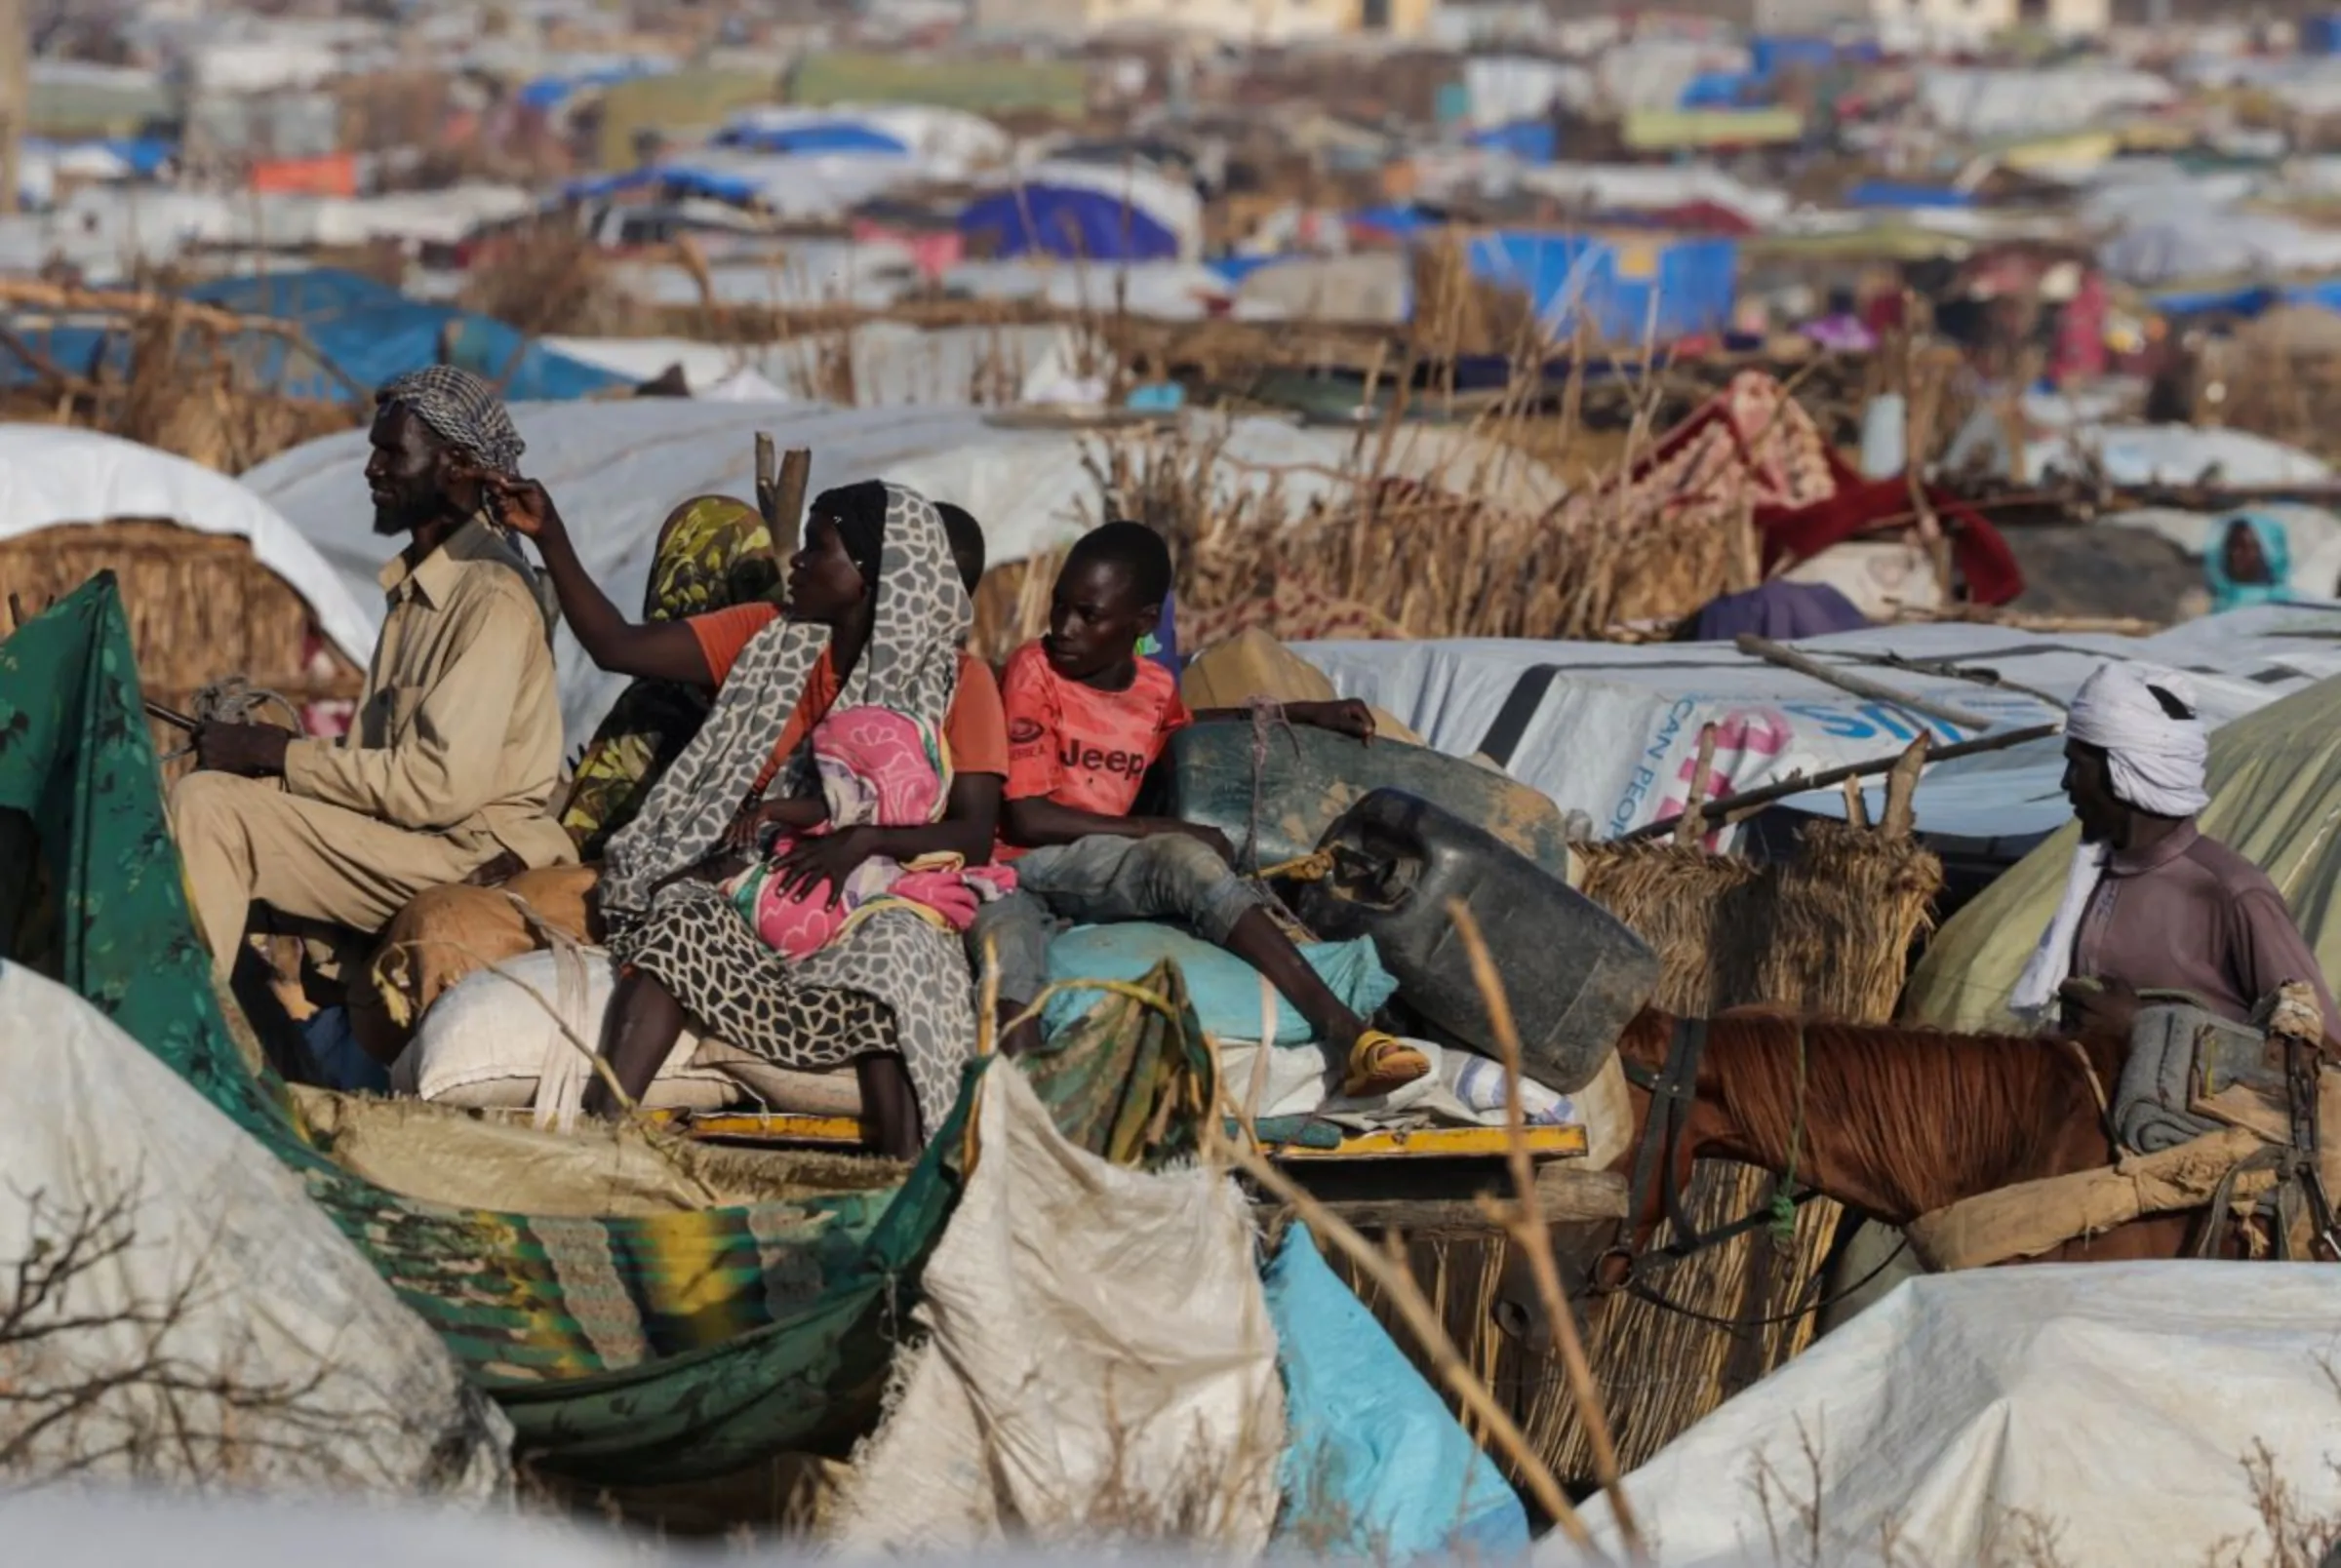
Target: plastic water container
1572	973
1308	777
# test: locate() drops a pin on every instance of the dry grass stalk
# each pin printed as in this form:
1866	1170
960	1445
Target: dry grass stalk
1391	1276
1524	1221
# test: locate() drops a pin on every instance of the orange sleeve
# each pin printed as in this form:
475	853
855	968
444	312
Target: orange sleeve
1030	710
724	633
977	725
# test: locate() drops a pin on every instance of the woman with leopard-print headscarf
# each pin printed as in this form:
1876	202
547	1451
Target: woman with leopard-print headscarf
877	612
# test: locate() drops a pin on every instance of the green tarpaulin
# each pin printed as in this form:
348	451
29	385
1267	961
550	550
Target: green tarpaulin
643	1350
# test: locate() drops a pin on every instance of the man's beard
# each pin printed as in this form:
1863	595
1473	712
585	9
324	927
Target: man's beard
402	516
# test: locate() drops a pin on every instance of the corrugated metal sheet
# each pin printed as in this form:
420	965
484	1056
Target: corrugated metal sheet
976	84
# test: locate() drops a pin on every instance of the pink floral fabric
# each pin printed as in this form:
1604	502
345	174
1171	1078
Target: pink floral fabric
877	767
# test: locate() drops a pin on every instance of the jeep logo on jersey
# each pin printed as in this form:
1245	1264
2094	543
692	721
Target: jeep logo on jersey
1026	732
1096	760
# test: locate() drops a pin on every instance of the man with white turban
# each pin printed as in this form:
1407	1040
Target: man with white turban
452	760
2151	904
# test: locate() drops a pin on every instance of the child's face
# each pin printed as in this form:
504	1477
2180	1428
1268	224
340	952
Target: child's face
1096	618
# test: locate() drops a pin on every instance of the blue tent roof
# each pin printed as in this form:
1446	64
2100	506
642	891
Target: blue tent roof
369	330
1904	195
675	180
815	136
1068	221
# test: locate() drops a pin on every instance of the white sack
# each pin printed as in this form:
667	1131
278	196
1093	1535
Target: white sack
229	1277
1101	1358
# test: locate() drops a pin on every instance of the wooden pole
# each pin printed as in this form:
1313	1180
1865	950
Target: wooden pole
1862	685
781	480
15	101
1737	808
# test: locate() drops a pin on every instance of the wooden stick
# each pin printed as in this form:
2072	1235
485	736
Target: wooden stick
1735	807
780	485
1902	791
1692	826
172	717
1862	685
796	476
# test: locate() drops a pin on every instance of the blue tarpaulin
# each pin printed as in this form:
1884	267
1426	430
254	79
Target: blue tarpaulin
1536	141
820	135
551	92
1720	90
1627	290
1770	54
1907	196
2251	299
1374	1468
1067	220
369	330
672	179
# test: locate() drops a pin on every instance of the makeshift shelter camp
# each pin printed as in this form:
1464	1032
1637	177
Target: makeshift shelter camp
2274	782
214	579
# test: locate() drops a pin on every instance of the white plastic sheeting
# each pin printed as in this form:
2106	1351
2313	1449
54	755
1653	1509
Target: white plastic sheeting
2204	241
2114	1406
1161	291
1996	102
2132	454
209	1267
1508	87
1616	736
105	1528
1101	1358
1629	187
51	475
953	141
616	469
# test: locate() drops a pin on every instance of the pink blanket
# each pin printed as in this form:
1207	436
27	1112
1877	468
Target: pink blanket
878	769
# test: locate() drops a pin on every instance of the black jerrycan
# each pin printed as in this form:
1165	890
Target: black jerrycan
1574	974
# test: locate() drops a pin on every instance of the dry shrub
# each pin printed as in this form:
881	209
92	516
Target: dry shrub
548	277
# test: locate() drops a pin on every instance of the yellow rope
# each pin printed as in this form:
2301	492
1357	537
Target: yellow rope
1313	866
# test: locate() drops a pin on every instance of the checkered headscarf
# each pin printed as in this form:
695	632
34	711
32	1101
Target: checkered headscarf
461	409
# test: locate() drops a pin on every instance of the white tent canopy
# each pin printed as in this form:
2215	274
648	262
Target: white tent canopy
2114	1406
51	474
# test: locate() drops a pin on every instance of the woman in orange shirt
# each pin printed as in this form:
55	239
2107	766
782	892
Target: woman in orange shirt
877	611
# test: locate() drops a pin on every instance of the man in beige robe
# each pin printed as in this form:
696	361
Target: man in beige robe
455	755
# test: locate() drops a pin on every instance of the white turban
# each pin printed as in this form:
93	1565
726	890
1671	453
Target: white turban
2153	762
2156	762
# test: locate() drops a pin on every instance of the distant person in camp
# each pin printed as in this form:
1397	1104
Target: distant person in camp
876	613
2250	564
1840	328
2150	903
455	753
1088	717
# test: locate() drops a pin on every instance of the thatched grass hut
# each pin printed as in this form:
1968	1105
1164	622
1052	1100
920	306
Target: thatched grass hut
215	583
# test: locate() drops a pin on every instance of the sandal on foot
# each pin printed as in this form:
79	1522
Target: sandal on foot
1381	1062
